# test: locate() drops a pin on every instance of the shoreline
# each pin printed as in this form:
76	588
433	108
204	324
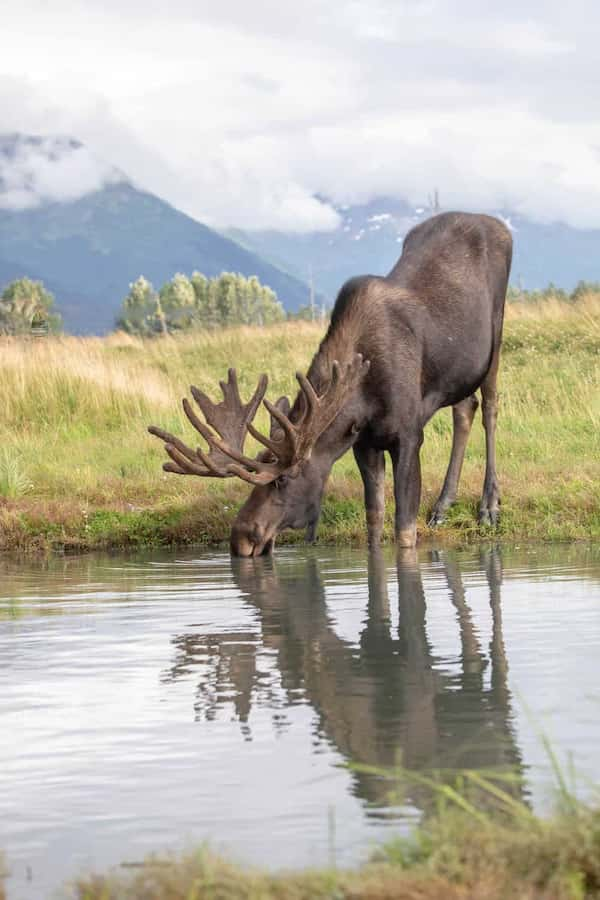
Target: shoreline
41	528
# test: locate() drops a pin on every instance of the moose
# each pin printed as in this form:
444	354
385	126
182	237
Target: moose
398	348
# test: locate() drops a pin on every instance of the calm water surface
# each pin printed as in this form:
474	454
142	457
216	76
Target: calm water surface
157	701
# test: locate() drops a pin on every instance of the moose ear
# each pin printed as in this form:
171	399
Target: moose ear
283	404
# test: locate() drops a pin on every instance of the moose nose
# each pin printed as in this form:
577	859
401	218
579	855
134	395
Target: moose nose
241	545
249	541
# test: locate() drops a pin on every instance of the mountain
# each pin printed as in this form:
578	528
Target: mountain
87	249
79	225
369	240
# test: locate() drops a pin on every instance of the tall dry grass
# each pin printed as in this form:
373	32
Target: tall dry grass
74	412
584	310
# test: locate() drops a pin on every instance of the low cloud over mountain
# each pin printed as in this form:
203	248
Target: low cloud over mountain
36	170
87	232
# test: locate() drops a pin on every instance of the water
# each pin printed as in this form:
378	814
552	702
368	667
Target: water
157	701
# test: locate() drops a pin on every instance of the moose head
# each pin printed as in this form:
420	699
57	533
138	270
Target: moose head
289	475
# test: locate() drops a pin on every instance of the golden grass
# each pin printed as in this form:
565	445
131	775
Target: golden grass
454	856
204	877
74	412
586	309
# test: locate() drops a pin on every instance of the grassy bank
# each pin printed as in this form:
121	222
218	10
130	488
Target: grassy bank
479	844
78	471
460	852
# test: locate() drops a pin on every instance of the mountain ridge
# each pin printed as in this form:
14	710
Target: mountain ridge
82	227
88	249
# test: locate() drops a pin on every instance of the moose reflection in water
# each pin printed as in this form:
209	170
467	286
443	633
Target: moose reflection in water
382	700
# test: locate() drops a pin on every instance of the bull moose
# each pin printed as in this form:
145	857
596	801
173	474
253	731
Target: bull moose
398	348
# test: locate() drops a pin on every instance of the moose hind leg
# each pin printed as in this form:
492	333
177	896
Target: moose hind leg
463	414
489	508
371	464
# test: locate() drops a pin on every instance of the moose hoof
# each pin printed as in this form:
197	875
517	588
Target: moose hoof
489	517
438	517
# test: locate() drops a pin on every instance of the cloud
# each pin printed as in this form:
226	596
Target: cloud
35	170
243	114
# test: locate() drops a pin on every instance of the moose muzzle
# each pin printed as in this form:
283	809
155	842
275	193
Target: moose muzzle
250	540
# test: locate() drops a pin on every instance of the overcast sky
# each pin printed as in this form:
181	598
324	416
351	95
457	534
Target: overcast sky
241	112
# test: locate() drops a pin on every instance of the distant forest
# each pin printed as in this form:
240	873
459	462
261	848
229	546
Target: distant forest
197	303
186	304
182	304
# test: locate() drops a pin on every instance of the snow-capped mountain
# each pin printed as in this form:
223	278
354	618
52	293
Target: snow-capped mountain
369	239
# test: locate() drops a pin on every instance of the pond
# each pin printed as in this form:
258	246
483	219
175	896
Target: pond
157	701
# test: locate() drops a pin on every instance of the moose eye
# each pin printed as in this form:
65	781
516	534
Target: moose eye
354	429
281	481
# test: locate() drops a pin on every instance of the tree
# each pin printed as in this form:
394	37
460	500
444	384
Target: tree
583	288
25	303
206	300
140	311
178	304
270	309
226	299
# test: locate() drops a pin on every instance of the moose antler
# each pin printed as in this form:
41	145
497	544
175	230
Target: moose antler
229	418
297	439
291	443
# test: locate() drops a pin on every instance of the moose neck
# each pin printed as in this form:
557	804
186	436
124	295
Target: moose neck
340	343
342	433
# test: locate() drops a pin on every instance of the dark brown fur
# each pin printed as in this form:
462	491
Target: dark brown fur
432	330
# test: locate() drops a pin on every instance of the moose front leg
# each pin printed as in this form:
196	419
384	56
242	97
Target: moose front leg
407	488
371	464
310	535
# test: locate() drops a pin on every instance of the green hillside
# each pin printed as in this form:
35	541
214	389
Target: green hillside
88	251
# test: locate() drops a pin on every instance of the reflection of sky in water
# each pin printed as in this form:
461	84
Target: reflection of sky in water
157	701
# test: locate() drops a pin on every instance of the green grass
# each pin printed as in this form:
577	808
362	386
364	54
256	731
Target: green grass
13	480
78	469
478	841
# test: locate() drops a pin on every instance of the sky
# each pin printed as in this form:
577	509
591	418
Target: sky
264	114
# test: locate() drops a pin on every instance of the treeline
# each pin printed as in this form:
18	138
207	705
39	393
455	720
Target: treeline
182	304
552	292
186	304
